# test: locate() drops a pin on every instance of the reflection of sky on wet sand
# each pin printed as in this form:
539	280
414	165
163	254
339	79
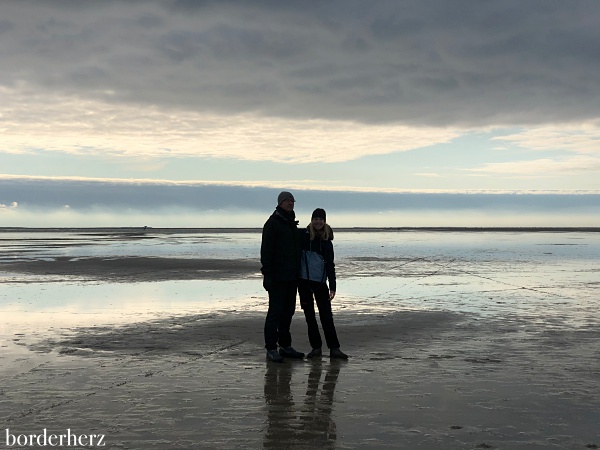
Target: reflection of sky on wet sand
71	304
540	276
77	244
527	274
568	290
383	244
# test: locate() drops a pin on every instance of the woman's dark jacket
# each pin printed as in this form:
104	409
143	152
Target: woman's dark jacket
318	249
280	247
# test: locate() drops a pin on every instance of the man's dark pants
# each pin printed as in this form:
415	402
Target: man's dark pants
282	304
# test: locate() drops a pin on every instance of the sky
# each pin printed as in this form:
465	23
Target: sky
197	113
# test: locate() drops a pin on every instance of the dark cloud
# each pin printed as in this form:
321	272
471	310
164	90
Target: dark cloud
433	62
5	26
154	196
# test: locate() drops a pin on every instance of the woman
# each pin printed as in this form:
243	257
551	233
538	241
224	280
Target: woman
317	267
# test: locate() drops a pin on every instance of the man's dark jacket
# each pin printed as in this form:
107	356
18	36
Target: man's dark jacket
280	248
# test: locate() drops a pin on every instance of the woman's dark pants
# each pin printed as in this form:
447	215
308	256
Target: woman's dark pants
282	304
311	292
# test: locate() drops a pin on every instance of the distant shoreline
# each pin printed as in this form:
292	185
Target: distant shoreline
141	230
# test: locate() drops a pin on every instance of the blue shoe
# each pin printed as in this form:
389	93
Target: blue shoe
272	355
289	352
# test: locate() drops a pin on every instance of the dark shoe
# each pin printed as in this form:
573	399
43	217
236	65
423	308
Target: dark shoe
272	355
337	353
314	353
289	352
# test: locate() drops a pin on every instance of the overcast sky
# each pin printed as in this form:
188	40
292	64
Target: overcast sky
438	96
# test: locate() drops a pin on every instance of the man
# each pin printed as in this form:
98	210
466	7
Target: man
280	259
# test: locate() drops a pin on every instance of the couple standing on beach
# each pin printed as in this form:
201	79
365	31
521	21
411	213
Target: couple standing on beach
298	260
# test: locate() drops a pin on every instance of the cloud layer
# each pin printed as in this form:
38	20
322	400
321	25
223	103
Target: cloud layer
439	63
147	195
276	84
88	127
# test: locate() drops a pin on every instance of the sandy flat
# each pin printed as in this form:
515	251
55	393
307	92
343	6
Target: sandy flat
458	355
414	380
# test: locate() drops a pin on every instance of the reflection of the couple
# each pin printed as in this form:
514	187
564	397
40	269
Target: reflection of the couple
310	424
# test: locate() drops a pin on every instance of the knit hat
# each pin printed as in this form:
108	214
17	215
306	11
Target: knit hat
284	195
319	212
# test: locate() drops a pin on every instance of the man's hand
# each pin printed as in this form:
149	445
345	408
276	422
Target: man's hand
267	282
331	295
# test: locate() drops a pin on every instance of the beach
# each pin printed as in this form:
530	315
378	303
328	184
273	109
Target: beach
154	340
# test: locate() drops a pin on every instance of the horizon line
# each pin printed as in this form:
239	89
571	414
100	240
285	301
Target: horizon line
338	229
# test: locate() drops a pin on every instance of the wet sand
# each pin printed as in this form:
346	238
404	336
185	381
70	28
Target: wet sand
416	378
136	268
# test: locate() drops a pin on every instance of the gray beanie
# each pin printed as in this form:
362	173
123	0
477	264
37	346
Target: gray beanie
284	195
